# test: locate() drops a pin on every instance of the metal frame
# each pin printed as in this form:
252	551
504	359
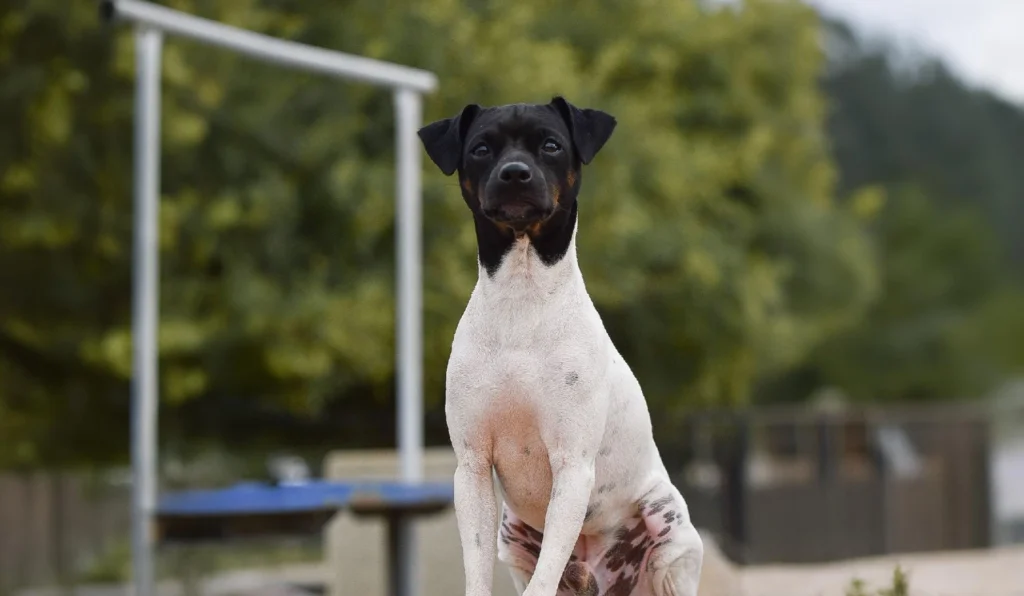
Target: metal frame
408	84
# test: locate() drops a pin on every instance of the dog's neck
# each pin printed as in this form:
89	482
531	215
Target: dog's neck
551	241
530	266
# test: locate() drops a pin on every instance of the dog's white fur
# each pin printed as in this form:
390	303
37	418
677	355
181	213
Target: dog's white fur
537	392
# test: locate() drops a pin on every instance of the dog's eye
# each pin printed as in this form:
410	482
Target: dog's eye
480	150
551	146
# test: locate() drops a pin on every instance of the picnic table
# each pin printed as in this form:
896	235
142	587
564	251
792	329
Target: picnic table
263	510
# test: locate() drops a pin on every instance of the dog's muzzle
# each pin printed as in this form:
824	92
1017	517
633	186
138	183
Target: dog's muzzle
516	195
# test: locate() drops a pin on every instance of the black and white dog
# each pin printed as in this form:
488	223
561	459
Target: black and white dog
536	391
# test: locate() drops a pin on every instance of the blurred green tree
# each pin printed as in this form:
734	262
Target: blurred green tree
898	116
925	339
948	320
709	235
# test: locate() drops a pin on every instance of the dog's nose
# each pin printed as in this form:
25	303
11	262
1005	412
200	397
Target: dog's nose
515	171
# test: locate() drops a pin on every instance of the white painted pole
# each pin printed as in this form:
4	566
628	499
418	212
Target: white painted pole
408	247
152	21
271	49
409	323
145	304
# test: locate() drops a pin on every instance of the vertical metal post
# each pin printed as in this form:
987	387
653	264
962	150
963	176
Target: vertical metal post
145	303
408	250
408	244
399	582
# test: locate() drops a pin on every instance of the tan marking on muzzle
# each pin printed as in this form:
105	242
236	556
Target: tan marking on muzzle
571	178
468	185
555	195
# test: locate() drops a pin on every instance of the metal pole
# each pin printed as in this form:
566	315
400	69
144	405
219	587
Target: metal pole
271	49
409	270
399	581
408	252
145	304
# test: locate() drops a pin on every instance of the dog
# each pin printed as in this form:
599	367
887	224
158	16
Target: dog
536	395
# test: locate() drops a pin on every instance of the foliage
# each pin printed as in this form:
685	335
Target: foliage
948	322
712	238
111	566
897	117
923	339
708	233
900	586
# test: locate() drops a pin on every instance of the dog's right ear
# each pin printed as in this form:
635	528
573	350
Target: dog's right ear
590	129
443	139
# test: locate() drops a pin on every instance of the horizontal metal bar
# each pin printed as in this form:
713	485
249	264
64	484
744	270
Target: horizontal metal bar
270	48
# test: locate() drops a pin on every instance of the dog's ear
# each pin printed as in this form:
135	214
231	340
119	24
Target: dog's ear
443	139
590	129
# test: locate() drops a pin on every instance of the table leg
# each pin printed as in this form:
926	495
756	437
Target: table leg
402	568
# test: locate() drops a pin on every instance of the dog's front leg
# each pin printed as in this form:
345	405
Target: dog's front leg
475	514
572	482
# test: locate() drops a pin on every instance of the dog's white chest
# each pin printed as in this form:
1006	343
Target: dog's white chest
520	458
512	411
529	356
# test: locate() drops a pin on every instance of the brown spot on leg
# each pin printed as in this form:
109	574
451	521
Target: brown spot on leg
523	536
658	505
629	547
641	554
522	540
531	533
673	561
623	585
577	579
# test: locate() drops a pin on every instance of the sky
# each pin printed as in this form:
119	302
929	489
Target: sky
981	40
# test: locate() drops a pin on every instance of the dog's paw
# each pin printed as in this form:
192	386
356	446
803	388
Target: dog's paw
676	572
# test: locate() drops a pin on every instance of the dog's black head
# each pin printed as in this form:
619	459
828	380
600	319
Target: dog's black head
519	165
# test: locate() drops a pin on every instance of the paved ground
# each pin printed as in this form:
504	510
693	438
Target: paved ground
997	572
289	580
974	573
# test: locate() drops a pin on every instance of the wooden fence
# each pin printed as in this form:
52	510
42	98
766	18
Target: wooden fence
54	525
799	487
774	486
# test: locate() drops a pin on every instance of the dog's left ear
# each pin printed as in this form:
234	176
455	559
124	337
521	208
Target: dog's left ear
443	139
590	129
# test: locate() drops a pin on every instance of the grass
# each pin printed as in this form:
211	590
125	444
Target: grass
899	587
